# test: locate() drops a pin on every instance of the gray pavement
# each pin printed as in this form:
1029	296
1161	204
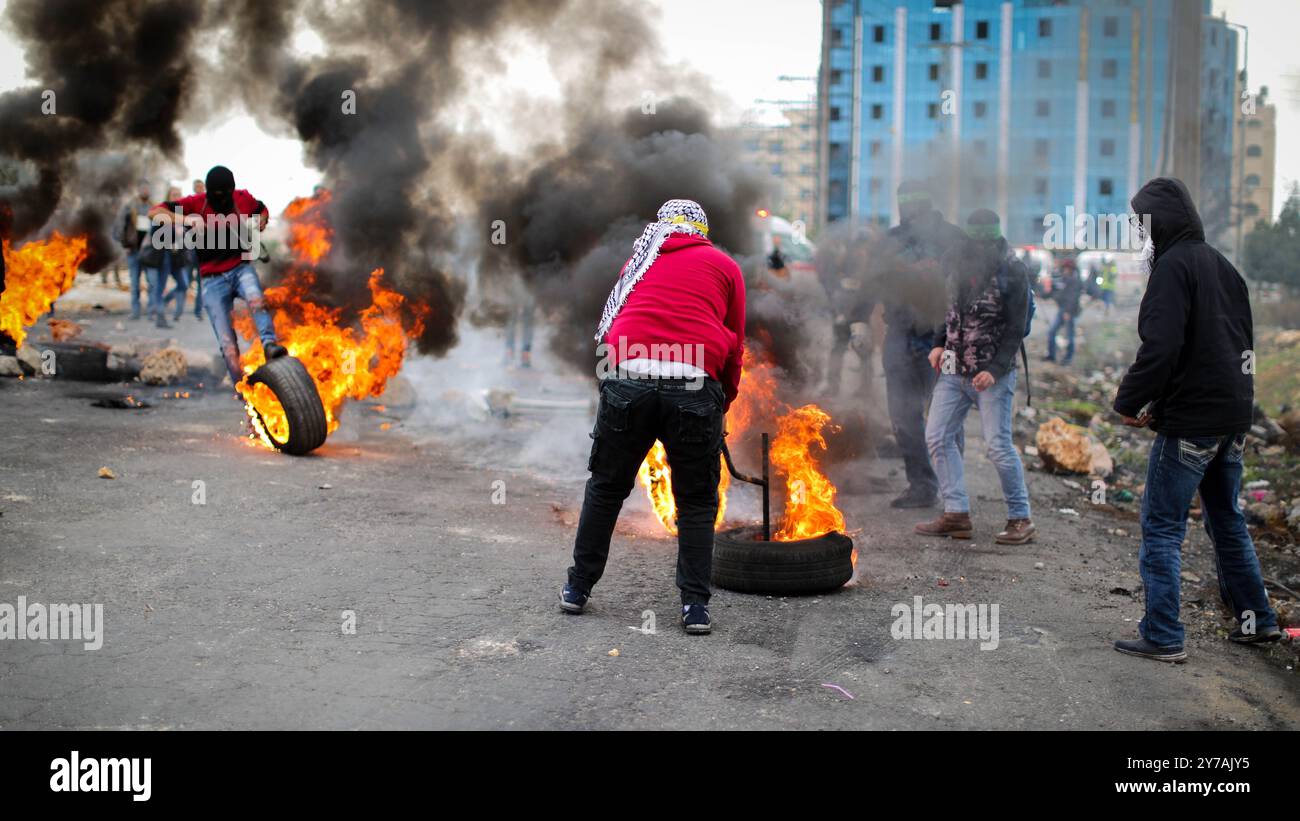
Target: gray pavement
231	614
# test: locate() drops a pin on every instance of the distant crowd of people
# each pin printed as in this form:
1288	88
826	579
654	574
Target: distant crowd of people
160	265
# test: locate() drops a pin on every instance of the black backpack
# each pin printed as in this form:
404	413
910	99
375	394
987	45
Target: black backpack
1003	286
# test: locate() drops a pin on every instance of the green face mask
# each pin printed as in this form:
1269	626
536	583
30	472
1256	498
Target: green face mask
984	232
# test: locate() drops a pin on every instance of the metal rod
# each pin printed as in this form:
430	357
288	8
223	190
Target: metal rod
764	483
767	511
731	468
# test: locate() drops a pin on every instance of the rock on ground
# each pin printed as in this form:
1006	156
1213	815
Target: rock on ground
1070	448
163	367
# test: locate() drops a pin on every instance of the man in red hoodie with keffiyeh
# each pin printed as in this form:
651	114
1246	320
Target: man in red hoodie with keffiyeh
671	338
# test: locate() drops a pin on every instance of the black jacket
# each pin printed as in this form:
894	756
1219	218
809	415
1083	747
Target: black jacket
1195	325
929	237
985	324
1067	291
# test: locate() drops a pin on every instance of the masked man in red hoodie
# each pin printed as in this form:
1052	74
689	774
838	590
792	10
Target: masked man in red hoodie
671	338
225	268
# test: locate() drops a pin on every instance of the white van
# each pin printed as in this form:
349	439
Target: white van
795	245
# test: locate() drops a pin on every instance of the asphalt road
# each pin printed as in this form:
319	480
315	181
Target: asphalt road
233	613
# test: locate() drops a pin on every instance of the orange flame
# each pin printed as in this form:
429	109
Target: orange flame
310	235
810	509
344	361
37	274
656	478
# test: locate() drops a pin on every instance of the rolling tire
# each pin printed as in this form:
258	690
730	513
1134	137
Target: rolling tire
746	564
292	385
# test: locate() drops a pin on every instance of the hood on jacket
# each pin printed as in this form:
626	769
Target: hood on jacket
1173	214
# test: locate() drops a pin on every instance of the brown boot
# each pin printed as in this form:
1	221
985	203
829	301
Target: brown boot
1019	531
952	525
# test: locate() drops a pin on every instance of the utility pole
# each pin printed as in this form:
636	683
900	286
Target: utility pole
1241	153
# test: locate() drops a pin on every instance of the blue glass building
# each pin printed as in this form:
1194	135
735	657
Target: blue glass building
1028	107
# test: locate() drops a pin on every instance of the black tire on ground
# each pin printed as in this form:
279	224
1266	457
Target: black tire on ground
86	363
746	564
289	380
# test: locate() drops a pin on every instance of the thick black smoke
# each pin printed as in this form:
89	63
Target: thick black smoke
111	74
375	113
571	220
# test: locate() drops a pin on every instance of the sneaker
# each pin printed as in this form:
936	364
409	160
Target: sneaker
274	350
695	618
1147	650
1019	531
161	322
571	601
1049	359
952	525
1266	636
914	498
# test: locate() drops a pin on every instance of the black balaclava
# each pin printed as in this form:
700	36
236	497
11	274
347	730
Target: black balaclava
914	202
985	245
220	185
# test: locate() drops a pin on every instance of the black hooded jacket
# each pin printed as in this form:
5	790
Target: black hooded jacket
927	237
1195	324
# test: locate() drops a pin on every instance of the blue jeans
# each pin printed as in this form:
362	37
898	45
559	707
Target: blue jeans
1176	469
157	282
198	284
953	397
133	268
219	292
180	273
522	317
1069	335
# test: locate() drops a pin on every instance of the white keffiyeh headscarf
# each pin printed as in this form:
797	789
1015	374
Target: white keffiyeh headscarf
675	217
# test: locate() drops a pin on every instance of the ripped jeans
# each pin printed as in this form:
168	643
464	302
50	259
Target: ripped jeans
219	292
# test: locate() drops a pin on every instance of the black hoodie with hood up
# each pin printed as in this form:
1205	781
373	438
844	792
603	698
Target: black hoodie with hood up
1195	325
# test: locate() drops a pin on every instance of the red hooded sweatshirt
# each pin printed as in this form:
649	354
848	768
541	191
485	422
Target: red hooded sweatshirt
691	300
217	260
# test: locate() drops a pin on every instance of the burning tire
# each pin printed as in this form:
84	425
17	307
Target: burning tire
304	412
746	564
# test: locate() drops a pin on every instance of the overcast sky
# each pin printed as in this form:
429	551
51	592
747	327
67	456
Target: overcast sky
743	46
